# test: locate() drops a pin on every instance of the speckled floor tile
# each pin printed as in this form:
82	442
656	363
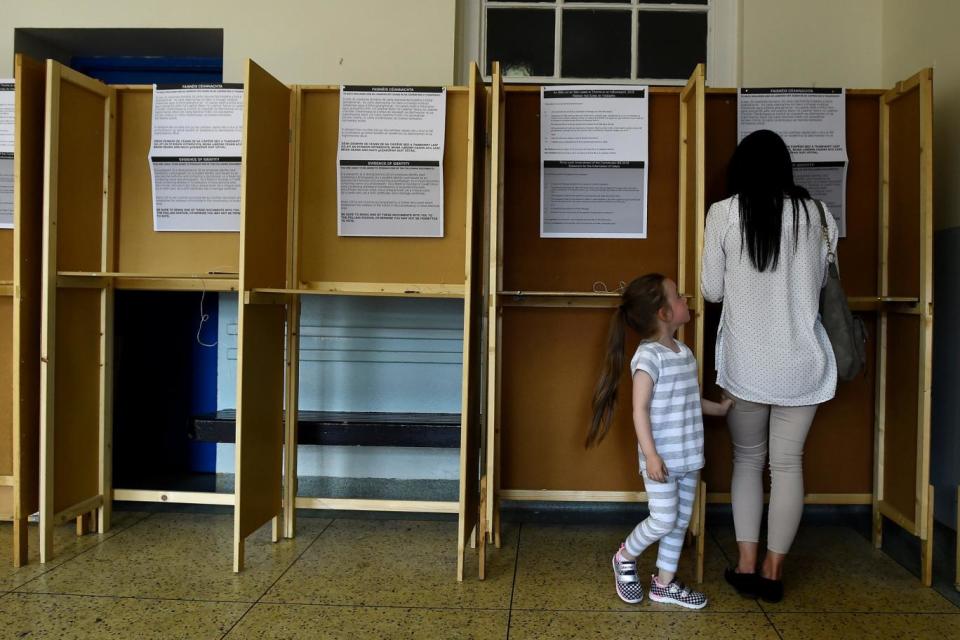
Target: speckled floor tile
177	555
867	626
396	563
309	622
832	568
569	567
66	545
597	625
48	616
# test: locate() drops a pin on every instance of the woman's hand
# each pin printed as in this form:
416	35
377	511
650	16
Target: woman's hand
656	470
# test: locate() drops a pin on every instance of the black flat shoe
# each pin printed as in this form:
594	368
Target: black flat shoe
746	584
769	590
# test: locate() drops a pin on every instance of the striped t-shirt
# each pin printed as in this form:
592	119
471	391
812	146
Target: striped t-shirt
676	417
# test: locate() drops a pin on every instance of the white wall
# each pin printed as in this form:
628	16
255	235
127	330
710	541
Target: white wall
299	41
810	43
364	354
923	33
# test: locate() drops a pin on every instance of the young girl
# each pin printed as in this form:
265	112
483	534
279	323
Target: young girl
669	424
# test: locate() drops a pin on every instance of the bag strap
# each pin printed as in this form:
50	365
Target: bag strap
831	256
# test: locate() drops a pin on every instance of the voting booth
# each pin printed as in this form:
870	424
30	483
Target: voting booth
98	238
550	304
870	445
290	248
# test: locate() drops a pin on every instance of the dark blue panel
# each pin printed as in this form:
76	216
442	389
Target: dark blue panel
149	70
162	378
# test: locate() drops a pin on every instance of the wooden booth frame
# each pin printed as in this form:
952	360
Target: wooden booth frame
891	165
20	249
291	133
682	110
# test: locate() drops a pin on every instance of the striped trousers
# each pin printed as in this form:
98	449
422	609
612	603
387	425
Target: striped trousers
671	505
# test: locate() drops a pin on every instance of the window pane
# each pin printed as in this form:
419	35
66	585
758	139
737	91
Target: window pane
670	44
604	1
522	40
596	44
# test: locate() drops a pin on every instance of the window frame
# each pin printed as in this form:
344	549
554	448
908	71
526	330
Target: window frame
723	35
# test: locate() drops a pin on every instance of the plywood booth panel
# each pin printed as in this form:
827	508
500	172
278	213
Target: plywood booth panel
473	389
326	257
75	324
904	265
6	386
25	263
77	426
6	255
262	335
80	182
551	362
532	263
900	424
140	249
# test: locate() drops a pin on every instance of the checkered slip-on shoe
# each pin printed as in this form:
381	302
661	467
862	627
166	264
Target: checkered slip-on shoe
626	579
676	593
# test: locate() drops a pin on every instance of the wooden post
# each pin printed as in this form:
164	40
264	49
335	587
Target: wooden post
49	315
926	544
956	576
701	507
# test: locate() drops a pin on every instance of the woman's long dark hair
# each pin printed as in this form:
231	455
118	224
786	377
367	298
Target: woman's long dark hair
761	175
641	300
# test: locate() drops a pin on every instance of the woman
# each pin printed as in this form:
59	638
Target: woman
765	258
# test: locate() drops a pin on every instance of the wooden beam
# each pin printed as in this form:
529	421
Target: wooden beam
78	509
383	289
48	298
173	497
268	298
357	504
907	522
810	498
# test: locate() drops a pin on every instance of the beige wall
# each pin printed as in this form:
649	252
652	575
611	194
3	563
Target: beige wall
810	43
923	33
315	41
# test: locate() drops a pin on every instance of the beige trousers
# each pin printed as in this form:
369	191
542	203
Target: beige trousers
759	430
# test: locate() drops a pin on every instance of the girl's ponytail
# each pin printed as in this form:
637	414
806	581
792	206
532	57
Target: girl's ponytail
605	395
642	299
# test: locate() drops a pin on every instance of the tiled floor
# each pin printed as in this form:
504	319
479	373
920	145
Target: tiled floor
168	575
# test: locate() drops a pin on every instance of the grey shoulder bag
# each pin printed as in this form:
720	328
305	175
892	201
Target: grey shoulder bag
847	333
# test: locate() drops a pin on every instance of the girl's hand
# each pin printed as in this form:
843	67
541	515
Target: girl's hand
711	408
656	470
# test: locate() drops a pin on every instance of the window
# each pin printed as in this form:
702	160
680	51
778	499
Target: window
595	40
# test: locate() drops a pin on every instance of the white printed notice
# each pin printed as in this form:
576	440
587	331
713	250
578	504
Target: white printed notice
7	94
390	161
593	162
195	157
813	124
